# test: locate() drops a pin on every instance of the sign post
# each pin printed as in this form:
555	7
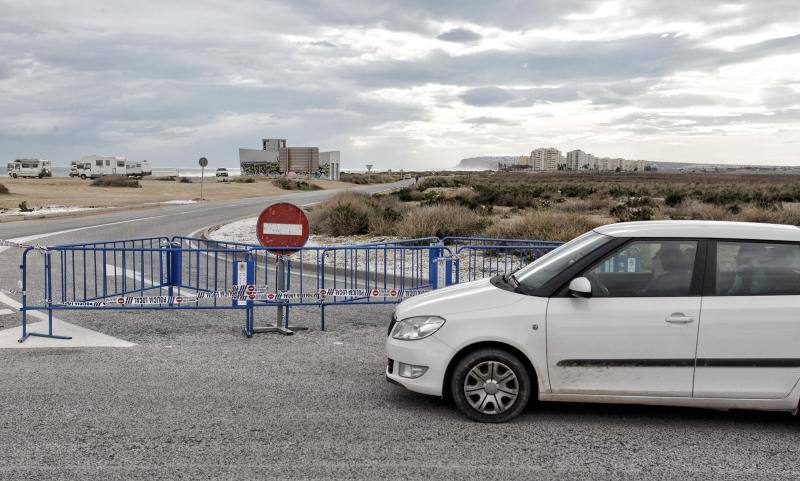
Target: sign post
369	172
203	163
280	226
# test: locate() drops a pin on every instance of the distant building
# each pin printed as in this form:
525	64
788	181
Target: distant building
303	160
330	161
549	159
578	160
275	156
546	159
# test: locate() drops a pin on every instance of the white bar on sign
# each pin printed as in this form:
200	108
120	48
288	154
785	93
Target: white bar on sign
283	229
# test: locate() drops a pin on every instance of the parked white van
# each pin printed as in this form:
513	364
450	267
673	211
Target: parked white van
29	168
93	166
681	313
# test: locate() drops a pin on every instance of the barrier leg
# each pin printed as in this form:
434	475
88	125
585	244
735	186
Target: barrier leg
49	294
280	265
322	317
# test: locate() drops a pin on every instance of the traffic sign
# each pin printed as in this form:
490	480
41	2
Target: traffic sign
203	162
282	225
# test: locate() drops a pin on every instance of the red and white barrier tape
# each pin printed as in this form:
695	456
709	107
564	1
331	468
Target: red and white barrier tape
19	245
248	293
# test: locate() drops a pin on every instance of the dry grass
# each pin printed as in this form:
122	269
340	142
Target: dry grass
354	213
115	181
440	221
542	224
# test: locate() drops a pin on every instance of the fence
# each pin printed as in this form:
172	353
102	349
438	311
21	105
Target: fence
184	273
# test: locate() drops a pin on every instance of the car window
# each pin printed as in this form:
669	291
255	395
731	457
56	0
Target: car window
537	273
757	268
646	268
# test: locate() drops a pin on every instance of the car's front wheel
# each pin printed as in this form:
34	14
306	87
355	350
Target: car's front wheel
490	385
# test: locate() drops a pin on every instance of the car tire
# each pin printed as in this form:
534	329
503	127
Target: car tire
83	176
13	176
490	385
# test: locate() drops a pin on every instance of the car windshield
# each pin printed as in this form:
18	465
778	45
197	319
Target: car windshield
538	272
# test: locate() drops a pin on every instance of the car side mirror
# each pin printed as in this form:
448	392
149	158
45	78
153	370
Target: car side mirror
580	287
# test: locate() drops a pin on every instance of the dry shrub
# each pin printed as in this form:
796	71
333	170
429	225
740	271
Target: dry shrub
543	225
440	221
115	181
353	213
590	204
4	190
788	213
696	210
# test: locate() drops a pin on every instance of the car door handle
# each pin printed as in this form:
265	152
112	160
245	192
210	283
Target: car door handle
678	318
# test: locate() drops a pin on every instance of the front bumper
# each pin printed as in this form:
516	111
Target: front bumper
430	352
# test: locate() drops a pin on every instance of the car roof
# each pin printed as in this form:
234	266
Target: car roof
702	229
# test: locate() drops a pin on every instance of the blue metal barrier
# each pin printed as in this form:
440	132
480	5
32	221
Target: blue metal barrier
184	273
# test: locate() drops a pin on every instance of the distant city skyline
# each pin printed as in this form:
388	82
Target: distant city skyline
401	84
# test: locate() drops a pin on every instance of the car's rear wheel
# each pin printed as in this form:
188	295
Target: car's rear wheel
490	385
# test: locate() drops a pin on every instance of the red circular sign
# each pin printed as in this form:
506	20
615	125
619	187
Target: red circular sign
282	225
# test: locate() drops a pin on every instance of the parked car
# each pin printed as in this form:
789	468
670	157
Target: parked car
29	168
680	313
222	172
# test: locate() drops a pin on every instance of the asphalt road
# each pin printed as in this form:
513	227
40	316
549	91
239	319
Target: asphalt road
196	400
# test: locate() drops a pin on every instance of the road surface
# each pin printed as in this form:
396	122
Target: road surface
194	399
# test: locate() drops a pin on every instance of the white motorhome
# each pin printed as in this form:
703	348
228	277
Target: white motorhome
73	168
138	168
94	166
29	168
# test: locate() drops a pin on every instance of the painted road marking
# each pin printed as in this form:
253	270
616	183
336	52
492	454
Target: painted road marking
114	271
81	337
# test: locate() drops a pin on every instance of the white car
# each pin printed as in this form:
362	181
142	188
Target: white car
679	313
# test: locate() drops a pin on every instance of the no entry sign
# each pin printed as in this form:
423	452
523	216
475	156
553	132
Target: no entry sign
282	225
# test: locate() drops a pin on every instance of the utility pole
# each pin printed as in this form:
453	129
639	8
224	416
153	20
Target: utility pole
369	172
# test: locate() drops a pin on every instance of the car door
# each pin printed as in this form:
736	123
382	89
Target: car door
749	340
637	333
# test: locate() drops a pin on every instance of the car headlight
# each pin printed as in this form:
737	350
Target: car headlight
415	328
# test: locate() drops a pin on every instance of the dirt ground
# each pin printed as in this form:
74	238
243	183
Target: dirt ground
63	191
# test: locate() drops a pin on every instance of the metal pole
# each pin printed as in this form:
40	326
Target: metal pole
280	286
202	176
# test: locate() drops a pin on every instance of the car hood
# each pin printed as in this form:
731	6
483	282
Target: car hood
467	297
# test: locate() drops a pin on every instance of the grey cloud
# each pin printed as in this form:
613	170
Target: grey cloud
488	121
461	35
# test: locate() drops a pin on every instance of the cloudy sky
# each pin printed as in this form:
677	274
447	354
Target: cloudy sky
414	84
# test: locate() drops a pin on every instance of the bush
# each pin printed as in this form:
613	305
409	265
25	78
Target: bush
4	190
346	220
381	212
184	180
440	221
23	207
115	181
542	225
288	184
674	197
242	180
627	213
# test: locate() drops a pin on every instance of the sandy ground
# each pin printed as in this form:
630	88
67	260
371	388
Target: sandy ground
63	191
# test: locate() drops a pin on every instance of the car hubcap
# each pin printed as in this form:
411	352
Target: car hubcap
491	387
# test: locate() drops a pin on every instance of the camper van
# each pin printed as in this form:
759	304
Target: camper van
29	168
94	166
138	168
73	168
